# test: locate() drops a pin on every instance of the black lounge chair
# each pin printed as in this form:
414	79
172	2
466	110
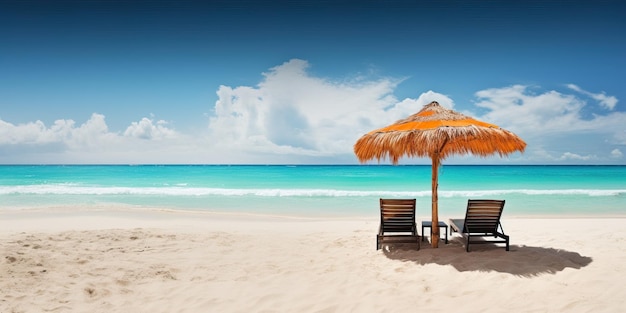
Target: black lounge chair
482	219
397	222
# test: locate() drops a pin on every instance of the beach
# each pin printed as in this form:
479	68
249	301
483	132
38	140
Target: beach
68	260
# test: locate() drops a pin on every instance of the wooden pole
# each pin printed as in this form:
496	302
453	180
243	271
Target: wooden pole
435	208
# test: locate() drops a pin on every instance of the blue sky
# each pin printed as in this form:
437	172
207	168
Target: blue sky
301	81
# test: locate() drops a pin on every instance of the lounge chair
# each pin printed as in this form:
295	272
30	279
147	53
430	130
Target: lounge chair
397	222
482	219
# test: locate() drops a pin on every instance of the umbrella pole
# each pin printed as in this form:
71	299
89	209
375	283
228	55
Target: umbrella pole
435	209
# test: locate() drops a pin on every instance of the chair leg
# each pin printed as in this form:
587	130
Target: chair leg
415	233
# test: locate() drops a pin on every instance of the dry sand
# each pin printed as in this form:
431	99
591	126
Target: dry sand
190	262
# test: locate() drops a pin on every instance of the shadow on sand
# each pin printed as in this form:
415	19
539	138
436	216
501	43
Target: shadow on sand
523	261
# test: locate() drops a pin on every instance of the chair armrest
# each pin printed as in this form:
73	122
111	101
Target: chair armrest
457	224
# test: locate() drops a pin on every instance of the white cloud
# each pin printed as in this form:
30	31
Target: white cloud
428	97
90	142
293	117
34	132
576	157
291	112
552	119
92	134
515	107
604	100
543	114
147	129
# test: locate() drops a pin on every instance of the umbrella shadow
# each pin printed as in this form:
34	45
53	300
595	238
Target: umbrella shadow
525	261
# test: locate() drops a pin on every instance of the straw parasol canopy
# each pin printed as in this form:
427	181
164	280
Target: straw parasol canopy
437	133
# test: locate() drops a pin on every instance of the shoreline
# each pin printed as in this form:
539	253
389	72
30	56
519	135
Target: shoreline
149	210
61	218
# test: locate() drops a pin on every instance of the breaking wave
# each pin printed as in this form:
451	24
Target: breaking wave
66	189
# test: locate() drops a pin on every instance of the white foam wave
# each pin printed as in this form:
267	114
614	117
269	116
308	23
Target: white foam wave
188	191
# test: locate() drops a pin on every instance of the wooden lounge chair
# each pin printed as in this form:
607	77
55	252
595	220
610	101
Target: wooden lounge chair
397	222
482	219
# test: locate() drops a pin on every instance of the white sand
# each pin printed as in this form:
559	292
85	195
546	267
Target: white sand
191	262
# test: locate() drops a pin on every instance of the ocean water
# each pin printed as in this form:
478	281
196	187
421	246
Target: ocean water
315	190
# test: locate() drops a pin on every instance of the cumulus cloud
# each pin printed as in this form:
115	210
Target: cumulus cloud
292	112
91	133
518	108
34	132
553	119
65	141
291	116
550	112
147	129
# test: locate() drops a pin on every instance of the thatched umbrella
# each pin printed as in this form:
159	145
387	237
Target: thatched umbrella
436	132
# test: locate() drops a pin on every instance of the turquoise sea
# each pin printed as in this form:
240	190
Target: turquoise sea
315	190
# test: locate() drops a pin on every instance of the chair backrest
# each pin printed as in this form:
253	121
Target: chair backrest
483	216
397	215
